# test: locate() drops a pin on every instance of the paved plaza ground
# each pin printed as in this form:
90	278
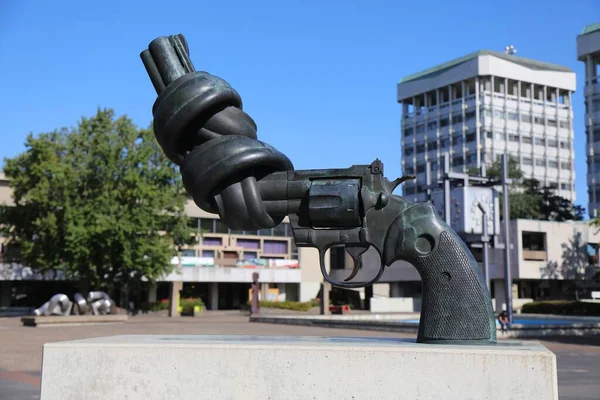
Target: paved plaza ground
21	348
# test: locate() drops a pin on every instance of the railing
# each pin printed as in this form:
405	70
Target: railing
211	262
535	255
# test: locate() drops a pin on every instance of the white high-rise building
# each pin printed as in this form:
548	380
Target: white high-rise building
485	104
588	51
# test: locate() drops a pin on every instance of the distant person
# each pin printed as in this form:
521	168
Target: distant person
503	319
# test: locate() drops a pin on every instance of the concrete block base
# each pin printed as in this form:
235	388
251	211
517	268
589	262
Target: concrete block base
257	368
73	320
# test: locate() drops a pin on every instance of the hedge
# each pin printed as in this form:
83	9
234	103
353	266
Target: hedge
289	305
164	304
562	307
191	302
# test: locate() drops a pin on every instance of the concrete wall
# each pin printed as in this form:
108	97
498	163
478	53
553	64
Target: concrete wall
311	276
564	241
588	44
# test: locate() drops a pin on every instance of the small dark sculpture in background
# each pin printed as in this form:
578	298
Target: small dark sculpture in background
255	304
201	127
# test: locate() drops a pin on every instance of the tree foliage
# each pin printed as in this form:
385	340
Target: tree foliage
530	200
98	202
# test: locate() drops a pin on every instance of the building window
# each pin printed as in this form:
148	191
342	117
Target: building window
540	141
409	190
534	246
551	122
279	230
513	138
444	122
408	131
220	227
538	120
471	137
564	145
527	161
526	118
552	143
540	162
499	136
337	257
526	139
420	128
432	125
432	146
564	124
457	161
207	225
552	164
499	114
565	186
409	151
212	241
470	115
188	253
457	139
275	247
208	253
565	164
513	116
420	148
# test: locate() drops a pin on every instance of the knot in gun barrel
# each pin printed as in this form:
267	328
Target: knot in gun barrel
200	125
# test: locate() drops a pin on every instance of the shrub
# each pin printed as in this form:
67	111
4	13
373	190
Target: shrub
562	307
191	303
188	303
158	306
288	305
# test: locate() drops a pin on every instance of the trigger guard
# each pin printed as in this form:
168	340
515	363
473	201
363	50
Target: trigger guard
348	285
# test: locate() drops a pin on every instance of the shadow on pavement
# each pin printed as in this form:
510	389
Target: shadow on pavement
578	340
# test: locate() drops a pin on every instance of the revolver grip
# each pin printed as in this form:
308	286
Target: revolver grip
456	306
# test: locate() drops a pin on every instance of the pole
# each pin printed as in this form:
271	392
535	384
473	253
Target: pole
506	216
254	302
324	303
485	239
447	189
428	179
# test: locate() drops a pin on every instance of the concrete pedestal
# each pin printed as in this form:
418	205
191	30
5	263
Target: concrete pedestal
258	368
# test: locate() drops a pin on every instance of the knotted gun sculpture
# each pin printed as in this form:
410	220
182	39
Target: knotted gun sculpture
200	124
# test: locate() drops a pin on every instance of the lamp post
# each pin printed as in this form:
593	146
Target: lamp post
506	217
485	239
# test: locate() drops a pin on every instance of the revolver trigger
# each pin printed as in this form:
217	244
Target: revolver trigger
355	252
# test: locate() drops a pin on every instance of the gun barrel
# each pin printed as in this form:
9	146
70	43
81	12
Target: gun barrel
166	59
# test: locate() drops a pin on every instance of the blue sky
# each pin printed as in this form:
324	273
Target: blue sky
318	77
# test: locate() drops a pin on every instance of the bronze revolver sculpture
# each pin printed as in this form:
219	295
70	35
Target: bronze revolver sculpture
200	125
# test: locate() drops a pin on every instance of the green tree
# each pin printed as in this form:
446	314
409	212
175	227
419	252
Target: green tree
523	203
98	202
529	200
494	171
